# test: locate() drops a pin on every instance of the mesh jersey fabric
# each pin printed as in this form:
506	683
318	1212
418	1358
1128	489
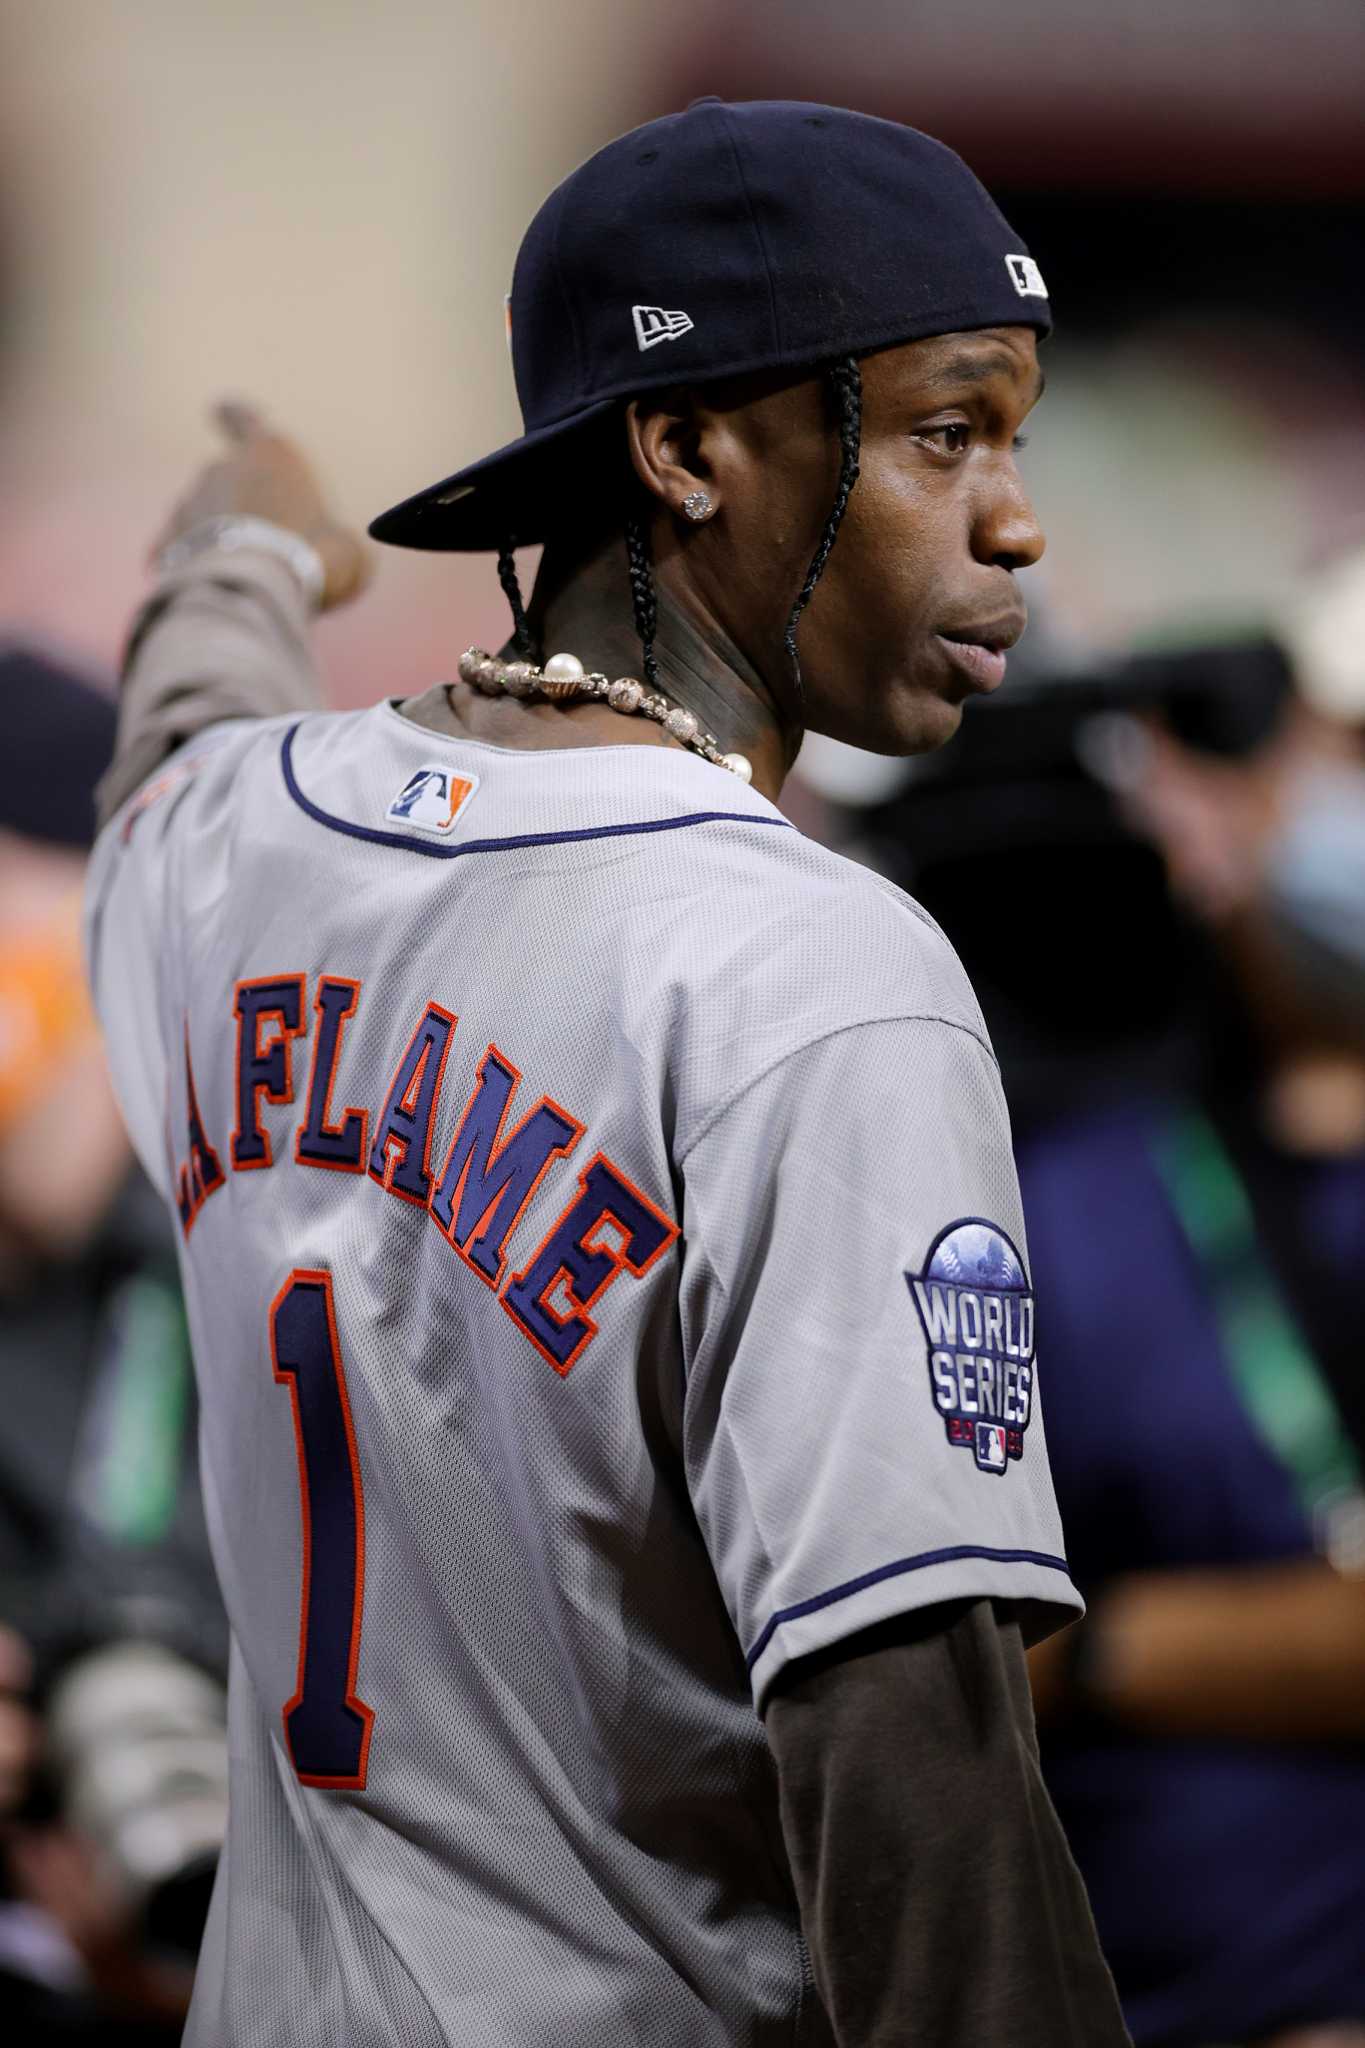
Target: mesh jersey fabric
578	1582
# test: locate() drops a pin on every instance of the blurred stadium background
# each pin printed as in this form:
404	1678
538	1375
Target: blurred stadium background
316	203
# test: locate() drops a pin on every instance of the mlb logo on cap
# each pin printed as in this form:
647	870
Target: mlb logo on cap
432	798
990	1446
1026	277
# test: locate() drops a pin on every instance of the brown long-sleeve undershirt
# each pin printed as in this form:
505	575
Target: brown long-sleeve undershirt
939	1899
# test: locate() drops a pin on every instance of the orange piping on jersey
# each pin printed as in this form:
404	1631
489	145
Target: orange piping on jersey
325	1125
323	1279
618	1256
413	1090
286	1035
152	792
497	1146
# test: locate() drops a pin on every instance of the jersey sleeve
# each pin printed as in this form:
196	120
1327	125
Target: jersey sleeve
133	939
862	1429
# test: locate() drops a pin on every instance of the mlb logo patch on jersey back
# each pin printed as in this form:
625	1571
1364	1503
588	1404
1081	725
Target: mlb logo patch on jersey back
976	1306
432	798
990	1446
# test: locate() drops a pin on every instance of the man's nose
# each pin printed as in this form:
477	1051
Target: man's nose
1007	533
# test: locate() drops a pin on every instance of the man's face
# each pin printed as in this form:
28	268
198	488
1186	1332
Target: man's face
918	599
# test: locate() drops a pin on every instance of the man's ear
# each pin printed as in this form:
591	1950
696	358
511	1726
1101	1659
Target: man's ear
669	437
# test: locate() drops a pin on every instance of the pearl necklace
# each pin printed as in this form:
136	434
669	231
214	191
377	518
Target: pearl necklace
563	678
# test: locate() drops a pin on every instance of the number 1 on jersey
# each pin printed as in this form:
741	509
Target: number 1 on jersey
326	1726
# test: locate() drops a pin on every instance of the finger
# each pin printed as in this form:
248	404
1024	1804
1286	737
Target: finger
239	419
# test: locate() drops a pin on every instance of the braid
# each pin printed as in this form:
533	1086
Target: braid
846	384
642	596
507	576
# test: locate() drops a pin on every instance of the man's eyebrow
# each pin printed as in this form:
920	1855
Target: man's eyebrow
975	369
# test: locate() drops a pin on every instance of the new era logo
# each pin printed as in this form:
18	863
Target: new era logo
1026	276
653	325
432	798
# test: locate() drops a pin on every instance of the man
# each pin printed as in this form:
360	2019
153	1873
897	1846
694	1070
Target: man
639	1427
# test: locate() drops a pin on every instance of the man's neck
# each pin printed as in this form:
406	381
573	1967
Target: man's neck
584	607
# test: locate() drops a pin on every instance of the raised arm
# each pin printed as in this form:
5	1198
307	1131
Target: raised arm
224	634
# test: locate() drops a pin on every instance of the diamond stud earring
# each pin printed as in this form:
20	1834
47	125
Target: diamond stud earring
697	505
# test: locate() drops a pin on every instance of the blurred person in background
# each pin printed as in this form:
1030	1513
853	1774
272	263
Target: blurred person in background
1206	1724
112	1763
1189	1089
1315	872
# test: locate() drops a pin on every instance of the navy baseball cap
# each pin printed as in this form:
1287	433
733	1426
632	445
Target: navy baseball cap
732	238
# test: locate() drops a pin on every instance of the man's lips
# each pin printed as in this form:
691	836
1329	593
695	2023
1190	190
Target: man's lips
978	651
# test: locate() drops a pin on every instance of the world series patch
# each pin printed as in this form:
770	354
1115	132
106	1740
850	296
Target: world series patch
976	1306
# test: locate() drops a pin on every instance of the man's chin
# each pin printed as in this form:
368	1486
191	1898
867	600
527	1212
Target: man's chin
935	722
903	721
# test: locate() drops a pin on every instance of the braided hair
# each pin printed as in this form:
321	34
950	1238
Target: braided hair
846	387
642	597
846	384
522	637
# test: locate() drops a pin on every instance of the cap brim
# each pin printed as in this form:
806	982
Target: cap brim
519	491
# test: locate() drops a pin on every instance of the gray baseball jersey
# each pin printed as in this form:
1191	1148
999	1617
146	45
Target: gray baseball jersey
607	1283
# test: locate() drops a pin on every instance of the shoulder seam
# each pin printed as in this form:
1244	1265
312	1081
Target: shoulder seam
835	1031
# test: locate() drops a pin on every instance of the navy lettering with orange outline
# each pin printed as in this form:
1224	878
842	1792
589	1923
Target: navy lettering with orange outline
487	1179
319	1142
263	1069
572	1256
404	1129
202	1174
327	1726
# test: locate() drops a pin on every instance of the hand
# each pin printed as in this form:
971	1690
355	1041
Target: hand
266	476
1209	817
56	1870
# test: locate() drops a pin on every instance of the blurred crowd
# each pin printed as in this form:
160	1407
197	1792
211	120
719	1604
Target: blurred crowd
112	1643
1153	866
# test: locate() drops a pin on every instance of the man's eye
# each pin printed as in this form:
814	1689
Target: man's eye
954	437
